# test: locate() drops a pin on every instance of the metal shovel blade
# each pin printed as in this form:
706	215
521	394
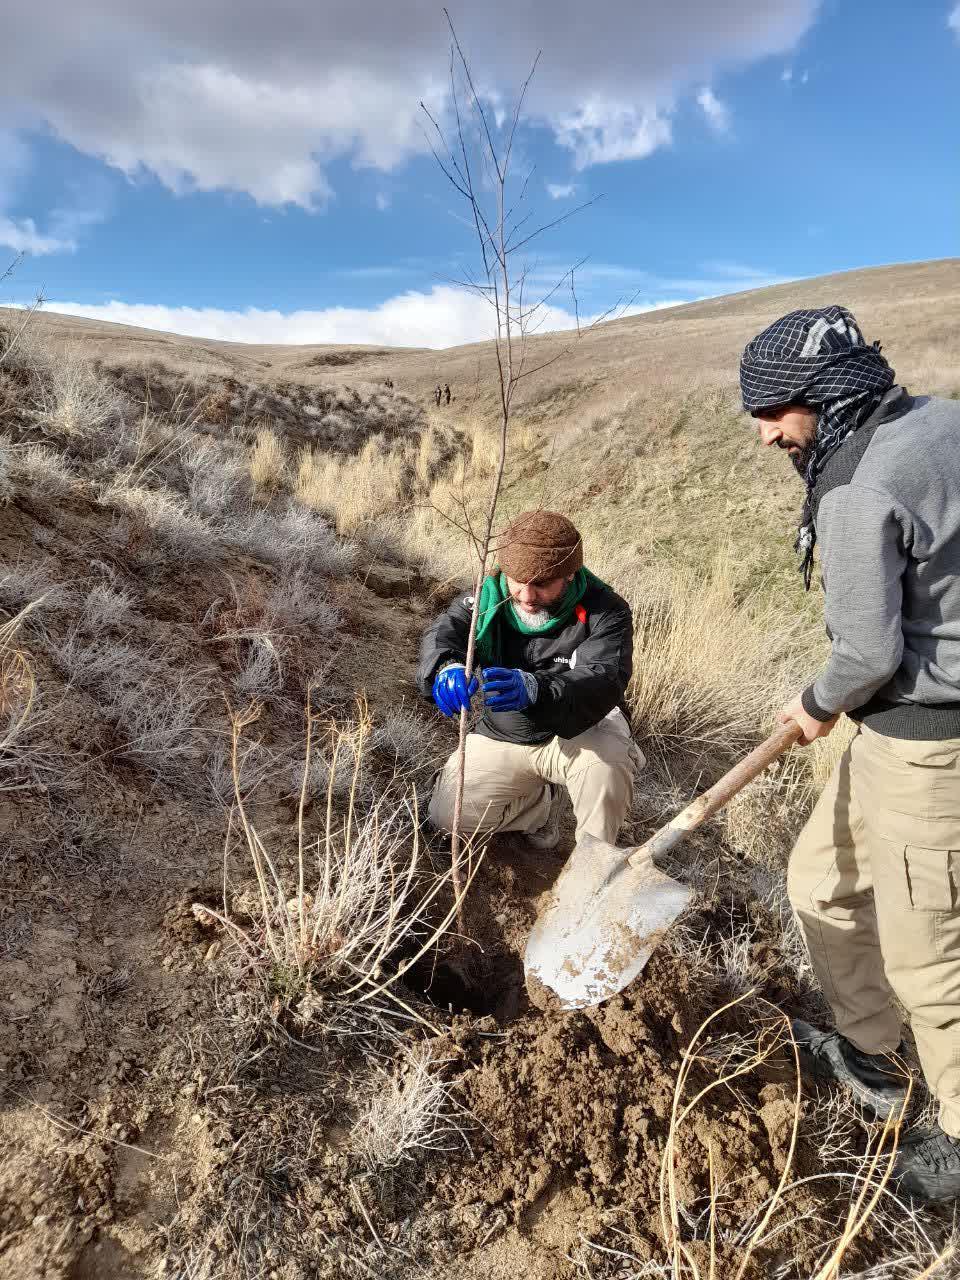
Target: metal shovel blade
602	924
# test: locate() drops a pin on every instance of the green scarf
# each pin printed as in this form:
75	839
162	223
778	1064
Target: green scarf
496	607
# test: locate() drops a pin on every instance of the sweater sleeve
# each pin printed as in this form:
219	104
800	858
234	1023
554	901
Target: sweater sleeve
445	640
572	700
861	541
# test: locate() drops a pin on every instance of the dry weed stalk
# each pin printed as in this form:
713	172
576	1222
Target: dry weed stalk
15	339
681	1256
870	1185
328	949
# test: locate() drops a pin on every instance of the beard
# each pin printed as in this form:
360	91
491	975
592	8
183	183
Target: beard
534	617
801	461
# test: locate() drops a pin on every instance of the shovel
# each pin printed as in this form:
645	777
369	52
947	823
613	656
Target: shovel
610	906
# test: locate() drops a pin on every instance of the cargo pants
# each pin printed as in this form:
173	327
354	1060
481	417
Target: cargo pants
875	882
506	783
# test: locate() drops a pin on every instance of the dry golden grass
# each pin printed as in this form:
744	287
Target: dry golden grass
711	666
353	490
268	463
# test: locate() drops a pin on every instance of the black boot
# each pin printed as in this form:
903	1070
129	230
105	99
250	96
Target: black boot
872	1078
928	1165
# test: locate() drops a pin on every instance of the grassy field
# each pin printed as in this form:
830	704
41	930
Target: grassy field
233	1045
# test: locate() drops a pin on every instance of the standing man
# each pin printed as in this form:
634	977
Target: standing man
875	876
446	392
437	394
555	652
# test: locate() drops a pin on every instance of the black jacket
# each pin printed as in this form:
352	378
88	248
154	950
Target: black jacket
582	669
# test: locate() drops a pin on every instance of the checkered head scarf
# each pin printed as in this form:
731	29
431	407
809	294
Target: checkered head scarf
817	358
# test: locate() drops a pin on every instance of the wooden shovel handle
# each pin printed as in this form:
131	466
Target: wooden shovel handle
711	801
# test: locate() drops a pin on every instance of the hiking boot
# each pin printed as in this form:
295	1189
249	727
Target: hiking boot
548	836
872	1078
928	1165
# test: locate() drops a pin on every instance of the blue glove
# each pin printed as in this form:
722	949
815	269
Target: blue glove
506	689
451	692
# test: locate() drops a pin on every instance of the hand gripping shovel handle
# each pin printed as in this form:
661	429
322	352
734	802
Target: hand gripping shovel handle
720	793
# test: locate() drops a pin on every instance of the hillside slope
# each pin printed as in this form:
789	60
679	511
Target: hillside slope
913	307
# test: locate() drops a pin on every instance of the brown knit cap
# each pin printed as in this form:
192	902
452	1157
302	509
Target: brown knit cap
538	545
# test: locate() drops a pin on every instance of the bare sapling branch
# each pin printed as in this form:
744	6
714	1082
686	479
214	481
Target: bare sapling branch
14	338
476	157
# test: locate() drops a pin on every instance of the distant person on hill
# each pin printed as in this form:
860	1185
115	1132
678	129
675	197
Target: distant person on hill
555	652
446	392
438	394
875	875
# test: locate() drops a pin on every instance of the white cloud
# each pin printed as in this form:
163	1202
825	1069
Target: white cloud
786	75
21	236
954	19
238	95
443	317
601	132
382	201
717	112
561	190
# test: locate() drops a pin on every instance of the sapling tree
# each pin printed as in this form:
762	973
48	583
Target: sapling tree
477	153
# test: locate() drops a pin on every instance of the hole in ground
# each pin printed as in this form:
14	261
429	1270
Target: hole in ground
469	988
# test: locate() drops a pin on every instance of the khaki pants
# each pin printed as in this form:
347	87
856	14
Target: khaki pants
875	882
505	786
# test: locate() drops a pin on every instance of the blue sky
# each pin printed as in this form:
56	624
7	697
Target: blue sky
230	169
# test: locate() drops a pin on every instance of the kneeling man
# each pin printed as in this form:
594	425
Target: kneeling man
554	653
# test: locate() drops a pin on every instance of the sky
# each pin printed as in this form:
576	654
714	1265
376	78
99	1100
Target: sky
263	172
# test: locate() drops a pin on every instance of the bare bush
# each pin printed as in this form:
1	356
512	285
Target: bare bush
408	739
405	1114
261	678
98	664
217	483
164	514
292	537
105	608
25	584
253	767
321	953
76	401
36	470
158	725
294	600
17	695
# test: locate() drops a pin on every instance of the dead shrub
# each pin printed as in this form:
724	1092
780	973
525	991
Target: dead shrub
405	1114
158	726
76	401
217	484
327	914
34	470
17	695
164	514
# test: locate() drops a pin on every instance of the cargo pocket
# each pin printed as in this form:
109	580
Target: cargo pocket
929	878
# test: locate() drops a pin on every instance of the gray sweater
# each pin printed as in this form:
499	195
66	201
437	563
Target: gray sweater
887	515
